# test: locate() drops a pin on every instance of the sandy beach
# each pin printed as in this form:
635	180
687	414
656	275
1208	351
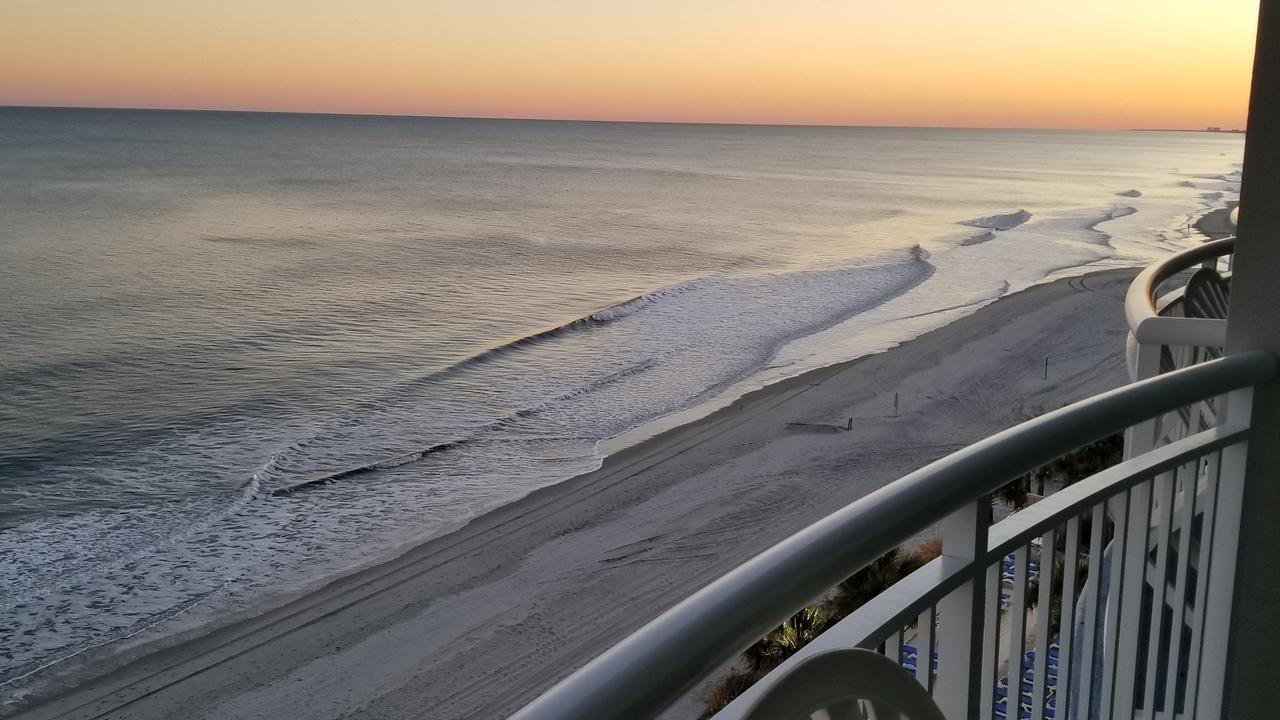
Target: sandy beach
475	623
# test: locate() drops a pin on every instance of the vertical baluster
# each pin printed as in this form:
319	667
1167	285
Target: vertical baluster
1111	616
990	642
1178	601
893	646
1088	648
1017	628
1135	566
1066	626
924	647
1220	575
1163	513
1208	502
1044	609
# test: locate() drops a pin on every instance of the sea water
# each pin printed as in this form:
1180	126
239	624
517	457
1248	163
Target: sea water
244	353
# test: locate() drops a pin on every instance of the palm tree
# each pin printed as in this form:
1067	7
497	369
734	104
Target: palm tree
1014	493
783	642
873	580
800	629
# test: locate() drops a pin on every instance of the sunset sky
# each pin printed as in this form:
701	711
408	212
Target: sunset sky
988	63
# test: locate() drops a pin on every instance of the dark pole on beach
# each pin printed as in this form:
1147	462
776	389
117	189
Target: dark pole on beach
1250	687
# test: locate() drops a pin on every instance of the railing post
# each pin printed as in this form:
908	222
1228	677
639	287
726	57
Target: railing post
1141	437
960	631
1220	575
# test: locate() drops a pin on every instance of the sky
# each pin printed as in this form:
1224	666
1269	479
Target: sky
968	63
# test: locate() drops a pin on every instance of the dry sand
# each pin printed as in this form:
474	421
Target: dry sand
474	624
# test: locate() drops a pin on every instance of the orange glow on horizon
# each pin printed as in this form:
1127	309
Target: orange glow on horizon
990	63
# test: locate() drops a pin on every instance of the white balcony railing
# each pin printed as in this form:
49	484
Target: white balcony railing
1148	312
1133	569
1166	333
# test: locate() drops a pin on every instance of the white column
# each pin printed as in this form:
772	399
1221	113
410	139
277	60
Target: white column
960	631
1250	687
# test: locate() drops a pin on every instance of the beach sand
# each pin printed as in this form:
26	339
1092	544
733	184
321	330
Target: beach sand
476	623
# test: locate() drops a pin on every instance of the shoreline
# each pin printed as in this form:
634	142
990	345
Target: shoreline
558	529
1214	223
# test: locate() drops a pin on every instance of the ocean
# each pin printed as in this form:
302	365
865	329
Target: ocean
246	353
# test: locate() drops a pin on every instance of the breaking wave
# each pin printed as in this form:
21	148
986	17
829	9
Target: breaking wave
695	296
415	455
1007	221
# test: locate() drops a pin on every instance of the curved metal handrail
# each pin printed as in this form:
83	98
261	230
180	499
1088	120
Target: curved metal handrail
1140	301
644	673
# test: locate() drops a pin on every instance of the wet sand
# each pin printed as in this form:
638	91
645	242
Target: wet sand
1216	224
476	623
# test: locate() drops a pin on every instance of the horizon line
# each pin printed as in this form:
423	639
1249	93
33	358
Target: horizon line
321	113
